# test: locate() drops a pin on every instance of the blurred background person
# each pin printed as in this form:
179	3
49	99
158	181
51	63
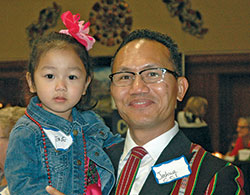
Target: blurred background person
8	118
191	122
243	137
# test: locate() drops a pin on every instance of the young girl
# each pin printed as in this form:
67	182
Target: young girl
58	142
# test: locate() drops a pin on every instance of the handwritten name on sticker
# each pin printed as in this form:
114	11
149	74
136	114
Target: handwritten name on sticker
60	140
171	170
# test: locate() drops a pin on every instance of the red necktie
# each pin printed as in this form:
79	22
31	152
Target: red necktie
129	171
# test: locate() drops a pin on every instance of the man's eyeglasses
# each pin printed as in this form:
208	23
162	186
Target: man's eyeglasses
150	75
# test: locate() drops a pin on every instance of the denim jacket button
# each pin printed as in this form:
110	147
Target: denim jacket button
101	133
96	153
79	162
75	132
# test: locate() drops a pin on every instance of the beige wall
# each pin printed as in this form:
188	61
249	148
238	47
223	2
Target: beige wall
228	22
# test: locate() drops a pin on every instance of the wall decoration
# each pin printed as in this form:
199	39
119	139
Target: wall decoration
190	19
111	21
47	19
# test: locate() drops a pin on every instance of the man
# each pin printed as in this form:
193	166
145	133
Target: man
145	87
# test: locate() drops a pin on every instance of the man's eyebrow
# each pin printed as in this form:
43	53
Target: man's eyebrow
149	65
122	69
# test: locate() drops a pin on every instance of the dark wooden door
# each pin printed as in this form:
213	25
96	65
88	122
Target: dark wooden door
225	81
234	103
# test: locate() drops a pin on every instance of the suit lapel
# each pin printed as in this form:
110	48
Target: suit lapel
115	153
178	146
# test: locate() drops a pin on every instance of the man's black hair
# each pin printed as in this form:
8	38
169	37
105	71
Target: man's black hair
155	36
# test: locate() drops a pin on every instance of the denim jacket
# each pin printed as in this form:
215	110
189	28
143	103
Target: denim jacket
25	165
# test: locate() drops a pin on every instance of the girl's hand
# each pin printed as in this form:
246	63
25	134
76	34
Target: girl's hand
53	191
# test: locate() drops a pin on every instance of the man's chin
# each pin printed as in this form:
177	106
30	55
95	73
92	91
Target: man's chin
137	123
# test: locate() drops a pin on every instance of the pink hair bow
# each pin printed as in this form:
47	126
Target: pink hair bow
77	29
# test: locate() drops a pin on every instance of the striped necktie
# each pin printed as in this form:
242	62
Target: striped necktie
129	171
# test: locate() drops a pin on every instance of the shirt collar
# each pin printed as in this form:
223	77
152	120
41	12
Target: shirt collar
153	147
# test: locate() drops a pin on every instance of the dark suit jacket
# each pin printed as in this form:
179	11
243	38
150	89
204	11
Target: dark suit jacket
199	135
180	145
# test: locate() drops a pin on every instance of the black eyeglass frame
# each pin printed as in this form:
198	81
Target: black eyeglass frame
164	70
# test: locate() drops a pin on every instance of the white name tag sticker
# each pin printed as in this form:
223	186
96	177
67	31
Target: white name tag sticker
172	170
60	140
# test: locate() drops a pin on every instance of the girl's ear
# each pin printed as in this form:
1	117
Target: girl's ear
86	85
30	83
182	88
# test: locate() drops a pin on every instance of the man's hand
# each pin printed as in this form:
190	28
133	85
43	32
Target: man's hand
53	191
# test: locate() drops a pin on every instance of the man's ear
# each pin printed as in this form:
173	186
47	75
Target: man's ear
86	85
30	83
182	88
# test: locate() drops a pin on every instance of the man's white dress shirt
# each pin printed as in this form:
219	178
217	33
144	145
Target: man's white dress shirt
154	149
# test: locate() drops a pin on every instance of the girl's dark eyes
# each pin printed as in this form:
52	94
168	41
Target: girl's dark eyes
49	76
72	77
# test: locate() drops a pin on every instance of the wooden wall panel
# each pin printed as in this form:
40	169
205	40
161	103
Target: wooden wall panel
12	83
210	76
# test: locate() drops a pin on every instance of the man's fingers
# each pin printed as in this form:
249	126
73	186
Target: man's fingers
53	191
